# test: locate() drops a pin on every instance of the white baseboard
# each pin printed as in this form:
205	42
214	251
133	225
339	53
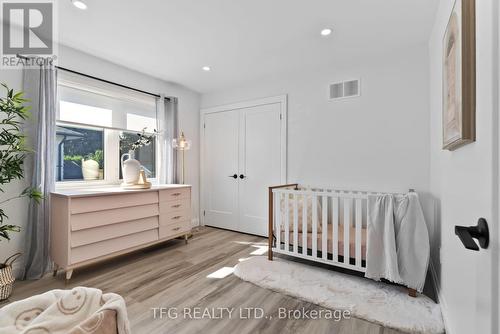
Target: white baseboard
441	299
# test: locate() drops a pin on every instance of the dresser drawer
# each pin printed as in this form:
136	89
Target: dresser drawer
174	194
92	235
173	217
107	247
174	229
177	205
107	217
107	202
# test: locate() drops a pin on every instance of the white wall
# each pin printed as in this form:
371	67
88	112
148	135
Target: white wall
379	141
464	183
189	105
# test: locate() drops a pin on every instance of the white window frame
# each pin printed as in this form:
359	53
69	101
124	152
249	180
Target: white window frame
111	154
111	159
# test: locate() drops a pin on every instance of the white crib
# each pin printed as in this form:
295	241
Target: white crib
335	229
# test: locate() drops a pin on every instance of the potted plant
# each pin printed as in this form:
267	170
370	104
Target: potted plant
93	166
13	152
99	157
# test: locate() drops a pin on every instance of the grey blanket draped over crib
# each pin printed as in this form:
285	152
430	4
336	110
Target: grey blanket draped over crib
398	246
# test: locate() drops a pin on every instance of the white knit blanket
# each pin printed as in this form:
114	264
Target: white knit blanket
398	245
77	311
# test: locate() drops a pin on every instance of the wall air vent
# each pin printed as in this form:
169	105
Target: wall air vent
344	89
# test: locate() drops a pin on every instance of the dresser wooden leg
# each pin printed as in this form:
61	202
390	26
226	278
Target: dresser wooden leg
69	273
54	273
186	237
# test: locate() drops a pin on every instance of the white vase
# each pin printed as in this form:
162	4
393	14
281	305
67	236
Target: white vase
90	169
130	169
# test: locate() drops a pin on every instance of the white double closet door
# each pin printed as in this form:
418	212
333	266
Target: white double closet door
244	153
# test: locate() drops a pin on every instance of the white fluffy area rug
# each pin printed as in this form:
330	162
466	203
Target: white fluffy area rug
378	302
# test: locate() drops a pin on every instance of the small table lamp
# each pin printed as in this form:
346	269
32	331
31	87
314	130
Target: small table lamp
181	144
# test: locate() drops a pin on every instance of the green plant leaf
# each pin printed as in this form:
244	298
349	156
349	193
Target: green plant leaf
5	229
34	194
13	152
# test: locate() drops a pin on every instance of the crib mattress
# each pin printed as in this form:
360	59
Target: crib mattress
352	241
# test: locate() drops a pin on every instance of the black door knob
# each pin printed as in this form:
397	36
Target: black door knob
479	232
234	176
242	176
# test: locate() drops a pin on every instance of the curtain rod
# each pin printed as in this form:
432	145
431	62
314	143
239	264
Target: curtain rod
99	79
109	82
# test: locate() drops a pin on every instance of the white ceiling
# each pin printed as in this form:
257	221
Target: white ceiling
242	41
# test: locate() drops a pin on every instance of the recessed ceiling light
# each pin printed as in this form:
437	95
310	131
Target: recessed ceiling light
79	4
326	32
206	68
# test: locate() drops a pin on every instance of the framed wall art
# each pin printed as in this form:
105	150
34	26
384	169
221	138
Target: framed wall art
459	76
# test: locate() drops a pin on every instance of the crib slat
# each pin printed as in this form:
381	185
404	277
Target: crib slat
295	224
278	221
314	200
324	228
358	231
304	224
287	222
347	224
335	228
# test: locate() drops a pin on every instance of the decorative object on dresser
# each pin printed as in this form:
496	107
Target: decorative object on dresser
90	169
134	176
182	144
94	224
131	169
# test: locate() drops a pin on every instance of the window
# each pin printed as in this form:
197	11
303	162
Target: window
80	153
96	124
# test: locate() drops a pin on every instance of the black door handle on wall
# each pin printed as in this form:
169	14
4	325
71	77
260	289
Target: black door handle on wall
234	176
479	232
242	176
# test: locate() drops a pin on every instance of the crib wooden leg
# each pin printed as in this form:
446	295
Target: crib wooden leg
270	227
412	292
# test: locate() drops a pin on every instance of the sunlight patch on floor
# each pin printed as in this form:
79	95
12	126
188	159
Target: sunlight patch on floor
250	243
261	250
221	273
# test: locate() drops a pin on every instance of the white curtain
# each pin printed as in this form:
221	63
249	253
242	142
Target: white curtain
40	86
167	127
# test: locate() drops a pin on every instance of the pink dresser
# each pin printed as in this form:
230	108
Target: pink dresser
93	224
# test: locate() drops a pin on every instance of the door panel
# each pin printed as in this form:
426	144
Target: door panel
260	163
221	160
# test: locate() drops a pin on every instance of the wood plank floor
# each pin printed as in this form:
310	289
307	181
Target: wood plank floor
174	275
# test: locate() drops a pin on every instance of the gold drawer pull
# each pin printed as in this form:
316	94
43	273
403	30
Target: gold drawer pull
176	217
176	229
176	206
176	194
